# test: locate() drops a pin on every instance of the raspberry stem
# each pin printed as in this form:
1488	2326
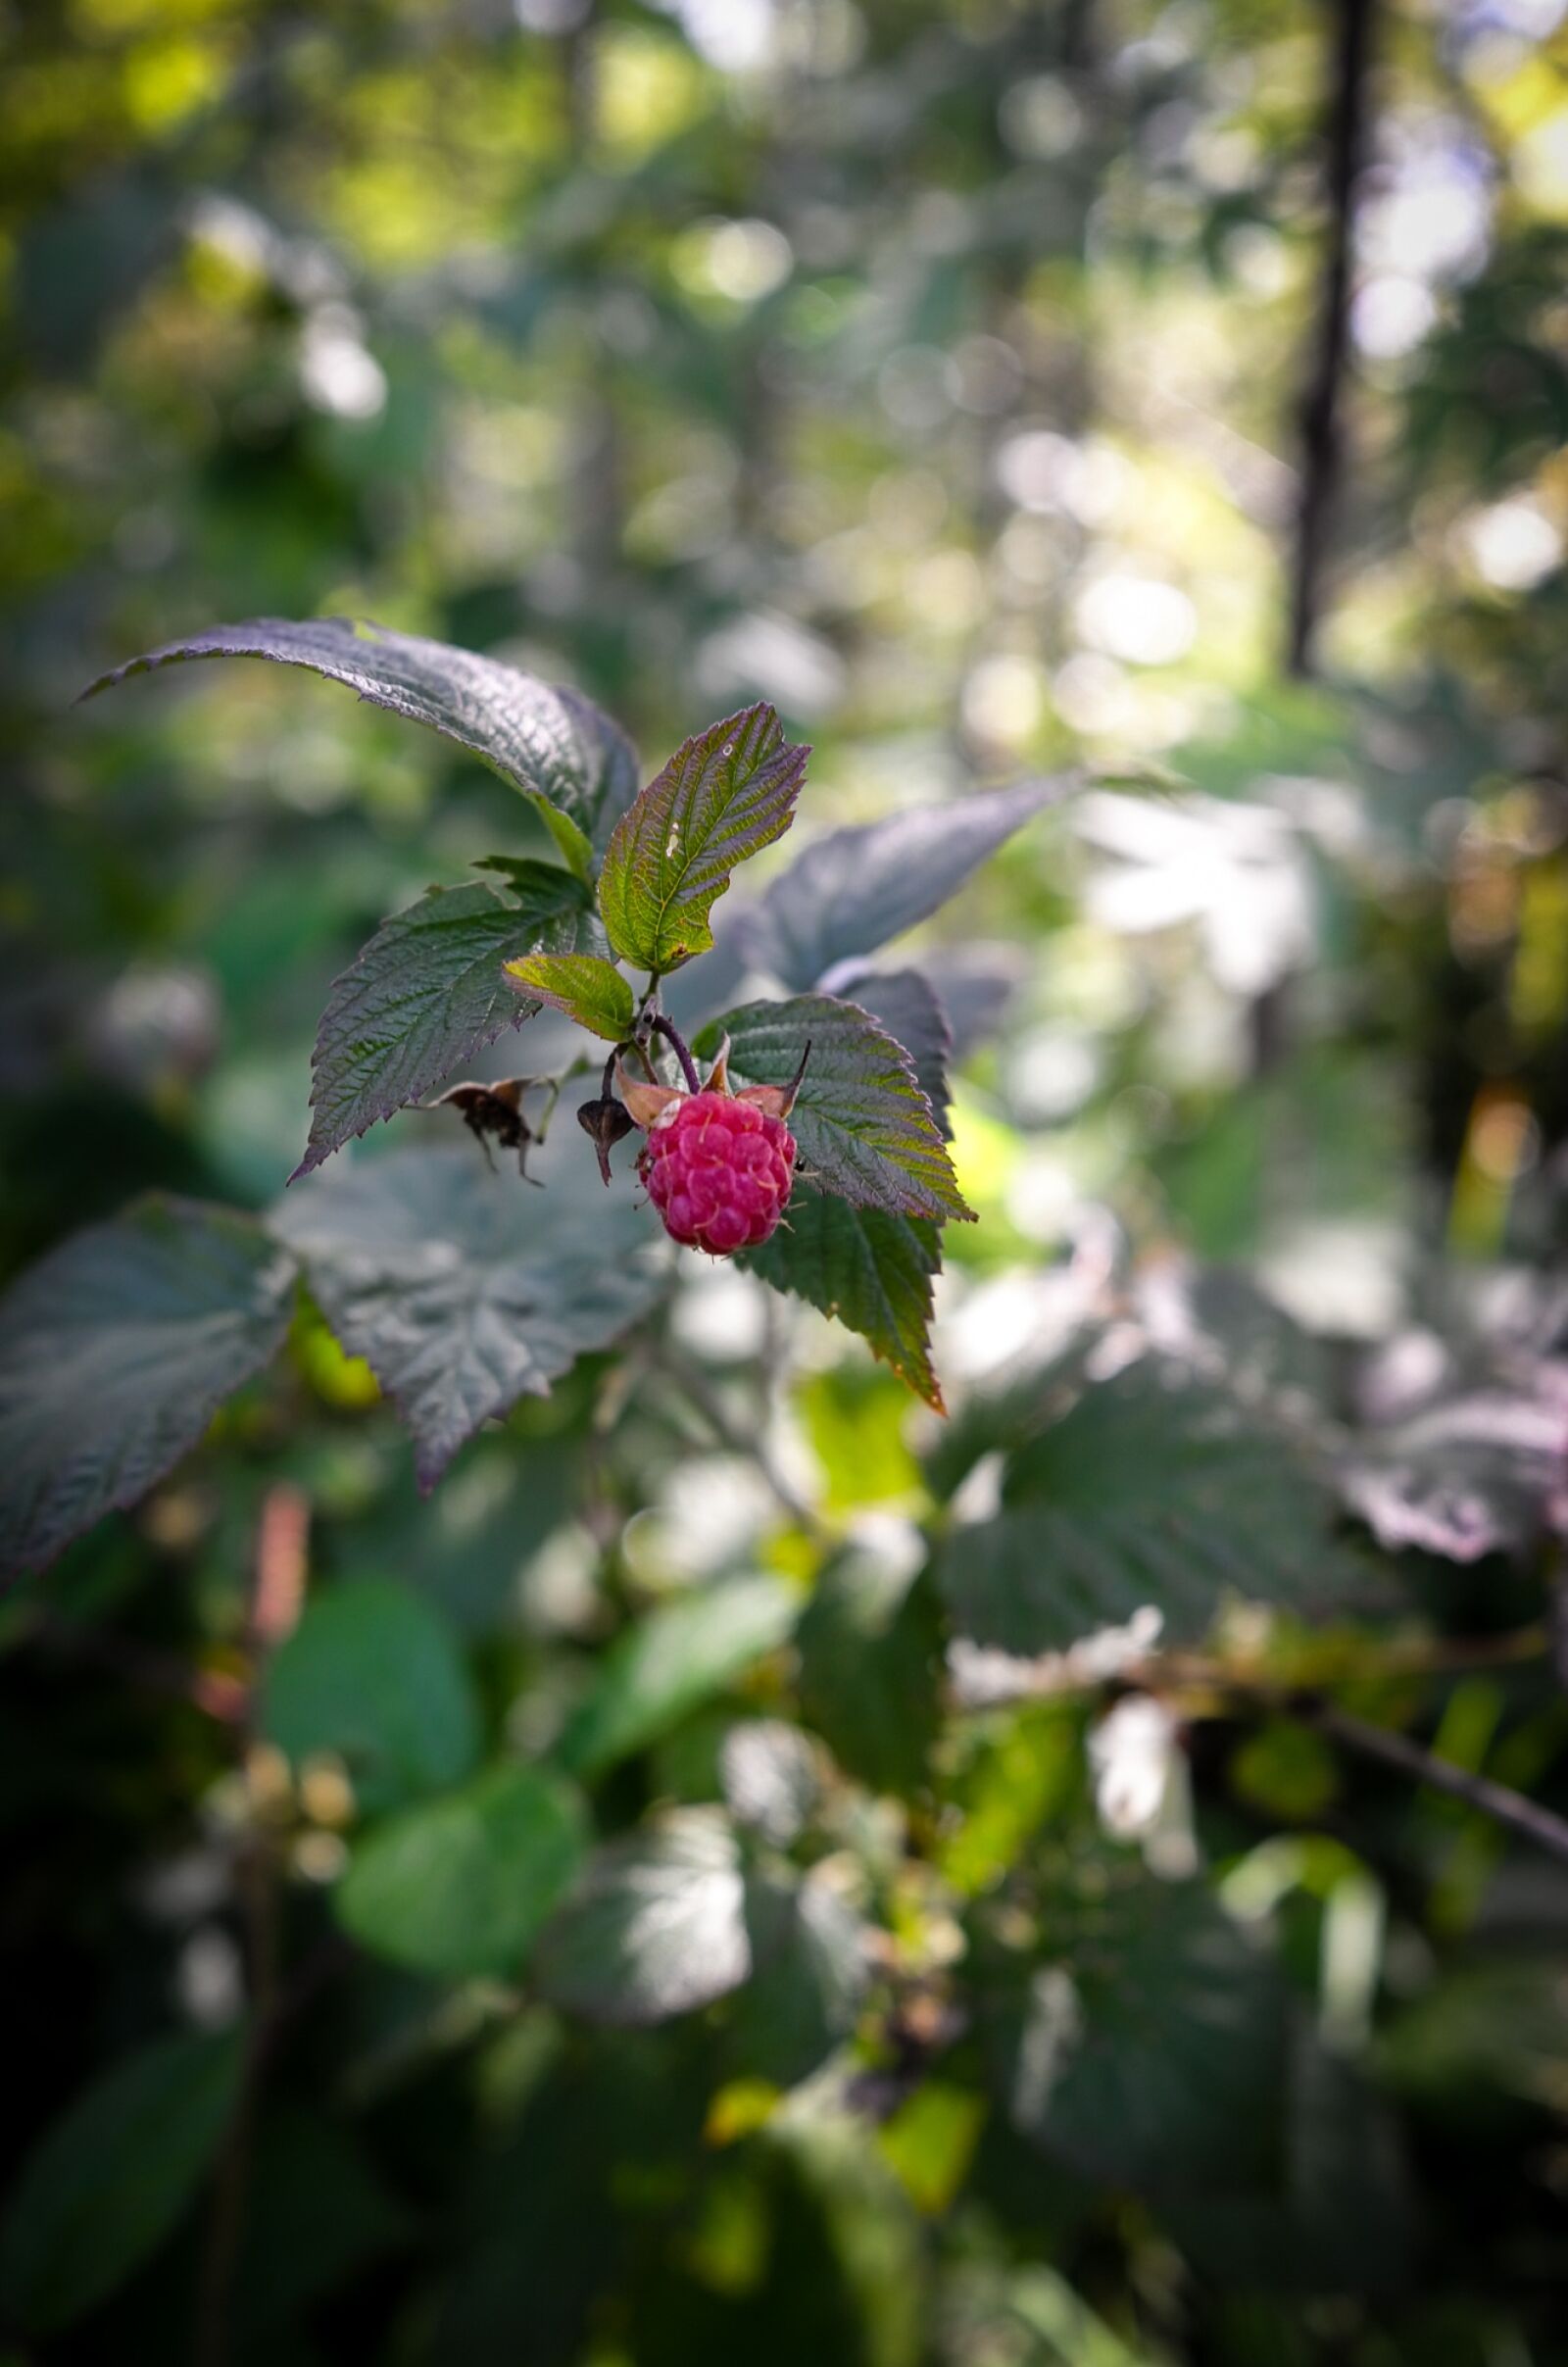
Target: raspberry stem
677	1041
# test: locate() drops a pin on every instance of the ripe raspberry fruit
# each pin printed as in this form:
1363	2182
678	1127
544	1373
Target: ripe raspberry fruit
719	1170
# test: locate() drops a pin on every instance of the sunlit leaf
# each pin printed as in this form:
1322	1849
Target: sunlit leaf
725	794
657	1927
906	1004
552	743
589	990
673	1658
115	1351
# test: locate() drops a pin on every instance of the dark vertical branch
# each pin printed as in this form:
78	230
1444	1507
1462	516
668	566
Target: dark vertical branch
1322	428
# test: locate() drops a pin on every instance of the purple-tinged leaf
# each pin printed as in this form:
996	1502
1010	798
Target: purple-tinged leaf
724	795
554	745
853	891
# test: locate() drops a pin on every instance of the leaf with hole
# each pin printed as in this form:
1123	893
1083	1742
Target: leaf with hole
460	1886
725	795
115	1351
865	1130
554	745
426	993
586	988
463	1292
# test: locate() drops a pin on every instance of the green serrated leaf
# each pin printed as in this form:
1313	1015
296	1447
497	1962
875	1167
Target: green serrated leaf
672	1660
1148	2047
869	1270
462	1290
374	1674
462	1885
865	1130
589	990
724	794
1154	1487
110	2178
556	747
115	1351
906	1005
427	993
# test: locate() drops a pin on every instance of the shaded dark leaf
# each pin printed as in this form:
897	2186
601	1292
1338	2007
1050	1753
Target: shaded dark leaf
871	1667
373	1675
115	1354
461	1292
1154	1487
426	993
1146	2048
110	2178
870	1271
560	749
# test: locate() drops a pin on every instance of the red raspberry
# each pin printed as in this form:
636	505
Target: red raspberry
719	1171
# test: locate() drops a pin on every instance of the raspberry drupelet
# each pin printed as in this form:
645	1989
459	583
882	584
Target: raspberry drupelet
720	1171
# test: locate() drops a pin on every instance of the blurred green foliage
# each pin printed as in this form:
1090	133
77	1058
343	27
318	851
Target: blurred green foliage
929	368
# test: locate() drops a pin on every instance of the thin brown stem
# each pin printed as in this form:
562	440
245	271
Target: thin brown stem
695	1387
277	1596
1498	1801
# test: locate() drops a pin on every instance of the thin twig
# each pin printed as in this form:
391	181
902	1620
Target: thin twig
1510	1807
277	1595
1322	434
693	1386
